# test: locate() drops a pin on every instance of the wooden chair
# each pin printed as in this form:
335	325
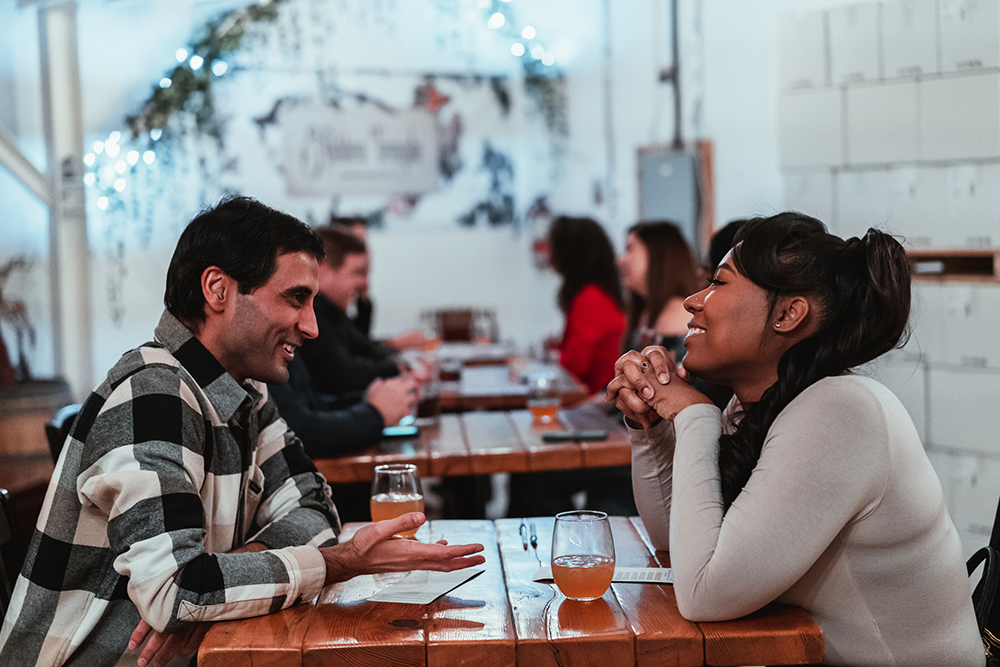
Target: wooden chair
11	555
57	429
468	324
985	592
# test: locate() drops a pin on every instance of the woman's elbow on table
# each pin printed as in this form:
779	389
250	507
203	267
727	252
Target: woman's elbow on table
698	603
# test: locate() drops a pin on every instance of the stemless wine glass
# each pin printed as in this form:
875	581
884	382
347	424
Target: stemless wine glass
583	554
396	491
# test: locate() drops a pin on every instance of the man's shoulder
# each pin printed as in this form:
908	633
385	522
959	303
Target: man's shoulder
147	359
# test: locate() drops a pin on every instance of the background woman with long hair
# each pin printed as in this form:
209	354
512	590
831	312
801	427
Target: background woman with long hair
591	297
658	271
813	488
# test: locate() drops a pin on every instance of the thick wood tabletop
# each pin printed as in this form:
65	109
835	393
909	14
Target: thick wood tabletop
502	617
480	443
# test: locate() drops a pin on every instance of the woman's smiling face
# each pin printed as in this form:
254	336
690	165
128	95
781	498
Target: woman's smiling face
729	323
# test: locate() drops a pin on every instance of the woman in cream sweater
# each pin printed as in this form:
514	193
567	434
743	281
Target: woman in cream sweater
812	488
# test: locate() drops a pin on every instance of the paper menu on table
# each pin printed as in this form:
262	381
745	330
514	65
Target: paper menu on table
423	587
623	575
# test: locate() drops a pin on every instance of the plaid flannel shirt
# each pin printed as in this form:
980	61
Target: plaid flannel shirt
170	464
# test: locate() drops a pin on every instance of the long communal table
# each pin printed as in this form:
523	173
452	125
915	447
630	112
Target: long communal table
503	617
492	387
481	443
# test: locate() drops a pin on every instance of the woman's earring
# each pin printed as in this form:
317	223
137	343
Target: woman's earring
777	325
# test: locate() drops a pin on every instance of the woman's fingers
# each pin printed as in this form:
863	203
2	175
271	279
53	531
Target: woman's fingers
662	362
633	407
640	377
630	357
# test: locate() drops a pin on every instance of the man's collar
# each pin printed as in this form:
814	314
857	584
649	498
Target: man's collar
225	394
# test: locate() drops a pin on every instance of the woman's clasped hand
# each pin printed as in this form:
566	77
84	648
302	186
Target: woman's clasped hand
650	386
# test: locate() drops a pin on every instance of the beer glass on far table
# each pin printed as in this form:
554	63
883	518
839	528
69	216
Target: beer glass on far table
583	554
543	397
396	491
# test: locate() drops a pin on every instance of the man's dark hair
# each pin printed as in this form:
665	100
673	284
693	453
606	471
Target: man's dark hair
339	243
242	237
347	221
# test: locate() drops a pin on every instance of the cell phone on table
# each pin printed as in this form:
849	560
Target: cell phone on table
574	436
400	430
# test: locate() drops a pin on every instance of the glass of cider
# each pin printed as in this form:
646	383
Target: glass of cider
396	491
543	398
583	554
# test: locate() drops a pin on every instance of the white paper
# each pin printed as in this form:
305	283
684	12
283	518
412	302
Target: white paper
423	587
623	575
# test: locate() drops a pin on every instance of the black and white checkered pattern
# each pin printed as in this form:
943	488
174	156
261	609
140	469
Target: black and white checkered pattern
169	465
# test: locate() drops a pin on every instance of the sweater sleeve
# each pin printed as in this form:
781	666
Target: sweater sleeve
823	465
327	425
652	477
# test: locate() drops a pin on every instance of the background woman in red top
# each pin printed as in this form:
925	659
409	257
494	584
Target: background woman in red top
591	297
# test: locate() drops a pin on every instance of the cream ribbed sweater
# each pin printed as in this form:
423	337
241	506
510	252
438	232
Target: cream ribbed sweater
843	516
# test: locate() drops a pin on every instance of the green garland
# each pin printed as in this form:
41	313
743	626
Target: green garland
190	88
544	84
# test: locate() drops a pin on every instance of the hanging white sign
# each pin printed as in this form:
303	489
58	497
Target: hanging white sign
359	151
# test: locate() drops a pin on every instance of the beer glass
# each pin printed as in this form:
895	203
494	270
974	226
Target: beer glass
396	491
543	397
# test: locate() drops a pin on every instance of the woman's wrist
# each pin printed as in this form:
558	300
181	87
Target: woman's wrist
631	423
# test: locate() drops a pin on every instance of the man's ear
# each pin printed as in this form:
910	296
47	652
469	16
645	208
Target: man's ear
218	288
791	314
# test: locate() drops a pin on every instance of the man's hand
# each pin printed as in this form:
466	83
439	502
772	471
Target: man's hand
411	340
161	647
374	548
393	398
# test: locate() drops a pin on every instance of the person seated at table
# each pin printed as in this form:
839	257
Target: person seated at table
181	497
590	297
720	245
337	425
341	359
812	488
658	271
362	307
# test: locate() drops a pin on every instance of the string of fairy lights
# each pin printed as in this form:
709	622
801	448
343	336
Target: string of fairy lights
110	164
526	43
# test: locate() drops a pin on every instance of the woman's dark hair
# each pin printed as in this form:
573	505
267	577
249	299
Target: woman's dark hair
581	252
242	237
721	243
861	291
672	271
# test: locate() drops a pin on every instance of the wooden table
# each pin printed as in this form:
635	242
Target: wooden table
502	617
490	387
481	443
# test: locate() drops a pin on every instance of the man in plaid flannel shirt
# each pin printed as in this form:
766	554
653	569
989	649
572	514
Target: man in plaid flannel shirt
181	497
